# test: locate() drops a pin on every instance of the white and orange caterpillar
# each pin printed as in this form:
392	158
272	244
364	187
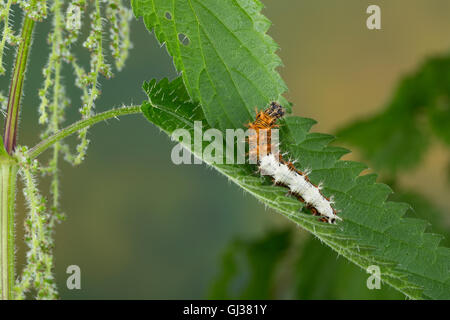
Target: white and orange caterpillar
284	172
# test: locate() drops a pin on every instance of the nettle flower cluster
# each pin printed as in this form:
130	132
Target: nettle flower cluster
35	9
106	31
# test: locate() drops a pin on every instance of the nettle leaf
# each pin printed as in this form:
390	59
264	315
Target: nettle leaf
223	53
400	135
423	208
373	232
313	279
277	265
249	267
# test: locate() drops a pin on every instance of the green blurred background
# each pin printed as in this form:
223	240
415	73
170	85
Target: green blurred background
141	227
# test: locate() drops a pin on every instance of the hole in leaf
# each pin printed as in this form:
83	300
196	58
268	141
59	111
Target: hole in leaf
168	15
183	39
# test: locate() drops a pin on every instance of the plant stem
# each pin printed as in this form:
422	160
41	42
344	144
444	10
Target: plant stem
8	167
77	126
8	175
15	90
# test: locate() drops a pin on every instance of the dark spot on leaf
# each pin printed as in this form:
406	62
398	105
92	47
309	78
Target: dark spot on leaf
183	39
168	15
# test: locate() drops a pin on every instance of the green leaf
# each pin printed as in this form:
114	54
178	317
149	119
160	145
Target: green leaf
279	266
400	135
227	60
373	231
423	208
253	262
309	263
313	279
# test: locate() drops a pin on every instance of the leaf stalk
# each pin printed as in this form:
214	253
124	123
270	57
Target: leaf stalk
79	125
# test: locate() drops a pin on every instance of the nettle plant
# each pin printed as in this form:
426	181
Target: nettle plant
228	67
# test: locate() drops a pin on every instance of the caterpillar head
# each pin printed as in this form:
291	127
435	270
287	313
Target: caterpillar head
275	111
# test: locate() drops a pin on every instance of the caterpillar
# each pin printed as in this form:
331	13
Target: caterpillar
283	172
